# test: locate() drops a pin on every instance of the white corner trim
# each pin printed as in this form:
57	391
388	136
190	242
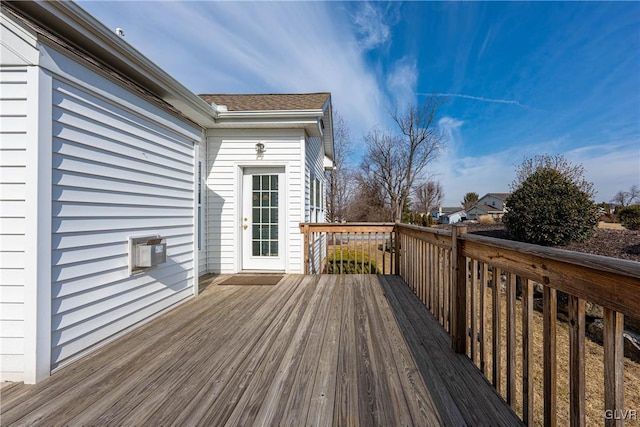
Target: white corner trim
196	221
37	358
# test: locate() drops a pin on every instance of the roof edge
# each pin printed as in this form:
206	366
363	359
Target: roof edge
71	22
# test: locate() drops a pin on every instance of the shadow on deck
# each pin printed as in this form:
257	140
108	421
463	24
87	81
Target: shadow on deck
311	350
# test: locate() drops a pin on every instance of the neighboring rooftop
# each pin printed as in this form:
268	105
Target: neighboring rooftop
500	195
269	102
488	208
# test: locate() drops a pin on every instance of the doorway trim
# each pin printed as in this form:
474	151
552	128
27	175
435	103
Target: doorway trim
284	197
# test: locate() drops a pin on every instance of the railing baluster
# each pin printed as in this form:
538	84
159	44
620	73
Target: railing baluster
474	304
439	285
549	303
369	250
527	359
511	339
447	290
483	318
613	368
361	236
576	361
497	331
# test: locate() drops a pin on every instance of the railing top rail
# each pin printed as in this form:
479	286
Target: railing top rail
434	236
359	227
432	230
610	282
613	265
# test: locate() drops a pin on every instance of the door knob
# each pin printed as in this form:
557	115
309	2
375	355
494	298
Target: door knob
245	226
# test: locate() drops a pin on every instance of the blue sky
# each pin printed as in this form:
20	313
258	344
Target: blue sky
520	78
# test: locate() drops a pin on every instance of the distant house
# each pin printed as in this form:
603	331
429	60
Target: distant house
492	204
449	215
444	210
120	187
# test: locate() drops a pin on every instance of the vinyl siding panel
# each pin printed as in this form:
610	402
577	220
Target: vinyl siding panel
117	172
227	150
13	136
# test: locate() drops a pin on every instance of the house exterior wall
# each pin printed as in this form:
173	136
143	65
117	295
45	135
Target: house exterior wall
474	212
228	150
86	163
121	167
18	108
491	200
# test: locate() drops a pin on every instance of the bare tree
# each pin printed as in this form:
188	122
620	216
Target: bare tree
428	195
626	198
368	203
339	180
470	199
396	162
575	173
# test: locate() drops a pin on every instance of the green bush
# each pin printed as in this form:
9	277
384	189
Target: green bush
350	262
549	209
629	216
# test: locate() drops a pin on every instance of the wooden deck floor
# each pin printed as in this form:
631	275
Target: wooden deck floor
311	350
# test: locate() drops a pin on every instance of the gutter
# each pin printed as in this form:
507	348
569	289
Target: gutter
72	23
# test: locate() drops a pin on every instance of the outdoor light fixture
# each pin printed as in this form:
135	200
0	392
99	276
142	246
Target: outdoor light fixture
260	148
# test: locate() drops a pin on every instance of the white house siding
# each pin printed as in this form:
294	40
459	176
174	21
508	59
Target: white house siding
314	169
121	167
229	150
18	53
13	131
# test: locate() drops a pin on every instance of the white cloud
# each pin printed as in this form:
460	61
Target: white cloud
263	47
371	26
610	167
402	80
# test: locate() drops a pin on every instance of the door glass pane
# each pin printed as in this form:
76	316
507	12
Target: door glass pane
264	215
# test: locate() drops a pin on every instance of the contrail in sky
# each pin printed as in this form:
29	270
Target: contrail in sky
477	98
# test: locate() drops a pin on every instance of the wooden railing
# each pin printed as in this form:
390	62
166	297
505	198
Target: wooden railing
479	266
471	283
349	248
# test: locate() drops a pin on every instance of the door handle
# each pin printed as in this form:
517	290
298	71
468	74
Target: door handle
245	226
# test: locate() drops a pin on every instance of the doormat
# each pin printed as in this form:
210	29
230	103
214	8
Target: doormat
260	279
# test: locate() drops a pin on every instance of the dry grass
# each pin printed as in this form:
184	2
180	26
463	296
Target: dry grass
611	226
371	249
486	219
594	363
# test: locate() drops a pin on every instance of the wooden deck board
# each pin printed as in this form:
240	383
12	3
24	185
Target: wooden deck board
311	350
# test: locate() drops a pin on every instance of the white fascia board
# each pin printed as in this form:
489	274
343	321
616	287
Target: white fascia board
306	119
74	24
310	116
328	164
327	138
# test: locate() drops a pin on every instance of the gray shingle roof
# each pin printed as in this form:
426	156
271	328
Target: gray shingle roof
269	102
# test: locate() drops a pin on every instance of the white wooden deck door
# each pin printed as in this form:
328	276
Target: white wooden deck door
263	219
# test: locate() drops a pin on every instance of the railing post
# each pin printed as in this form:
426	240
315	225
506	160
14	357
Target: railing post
458	291
396	250
305	231
613	367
